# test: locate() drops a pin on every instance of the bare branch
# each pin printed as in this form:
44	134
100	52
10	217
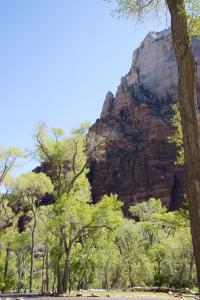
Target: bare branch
74	157
151	1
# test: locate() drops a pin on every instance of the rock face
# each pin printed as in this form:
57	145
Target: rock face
132	155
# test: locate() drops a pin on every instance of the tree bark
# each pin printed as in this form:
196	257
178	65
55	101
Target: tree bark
190	271
67	263
189	117
34	210
59	279
66	274
59	273
6	264
19	270
47	268
24	271
42	277
32	260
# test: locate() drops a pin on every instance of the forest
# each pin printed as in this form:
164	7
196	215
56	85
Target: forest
55	239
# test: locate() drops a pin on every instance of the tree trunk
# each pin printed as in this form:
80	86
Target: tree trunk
25	282
24	271
189	117
59	279
59	273
19	270
42	277
190	271
54	282
66	273
47	268
6	268
32	260
66	276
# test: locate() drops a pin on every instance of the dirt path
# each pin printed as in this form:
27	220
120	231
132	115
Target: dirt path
99	298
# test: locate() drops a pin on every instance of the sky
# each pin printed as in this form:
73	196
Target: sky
58	59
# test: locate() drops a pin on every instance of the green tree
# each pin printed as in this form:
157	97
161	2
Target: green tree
62	157
64	161
8	161
8	278
160	230
31	188
177	138
75	216
134	262
21	246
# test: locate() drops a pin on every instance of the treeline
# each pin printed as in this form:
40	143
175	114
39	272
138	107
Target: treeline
73	244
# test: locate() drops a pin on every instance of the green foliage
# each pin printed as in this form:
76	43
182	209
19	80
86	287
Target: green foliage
177	138
140	9
33	185
2	283
8	161
161	231
133	262
75	244
64	156
147	211
193	16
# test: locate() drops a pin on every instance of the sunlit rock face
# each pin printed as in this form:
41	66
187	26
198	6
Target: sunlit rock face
132	155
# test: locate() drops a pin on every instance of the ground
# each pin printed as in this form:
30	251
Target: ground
135	297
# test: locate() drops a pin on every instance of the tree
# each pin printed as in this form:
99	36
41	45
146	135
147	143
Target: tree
160	230
74	217
21	248
7	238
177	138
8	161
64	161
31	188
44	242
187	97
134	262
62	158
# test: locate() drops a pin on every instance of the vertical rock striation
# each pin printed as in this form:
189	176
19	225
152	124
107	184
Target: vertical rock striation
132	156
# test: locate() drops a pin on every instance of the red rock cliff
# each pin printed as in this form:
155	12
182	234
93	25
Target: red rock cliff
133	157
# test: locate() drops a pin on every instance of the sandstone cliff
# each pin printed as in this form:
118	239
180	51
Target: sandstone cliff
133	157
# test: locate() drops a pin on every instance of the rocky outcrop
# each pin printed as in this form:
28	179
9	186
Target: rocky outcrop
108	105
133	156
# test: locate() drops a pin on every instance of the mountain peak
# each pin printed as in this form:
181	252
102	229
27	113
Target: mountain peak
137	161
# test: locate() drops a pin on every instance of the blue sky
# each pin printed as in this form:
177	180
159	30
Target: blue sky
58	58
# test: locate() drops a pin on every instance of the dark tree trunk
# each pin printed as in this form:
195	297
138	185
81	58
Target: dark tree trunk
189	117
